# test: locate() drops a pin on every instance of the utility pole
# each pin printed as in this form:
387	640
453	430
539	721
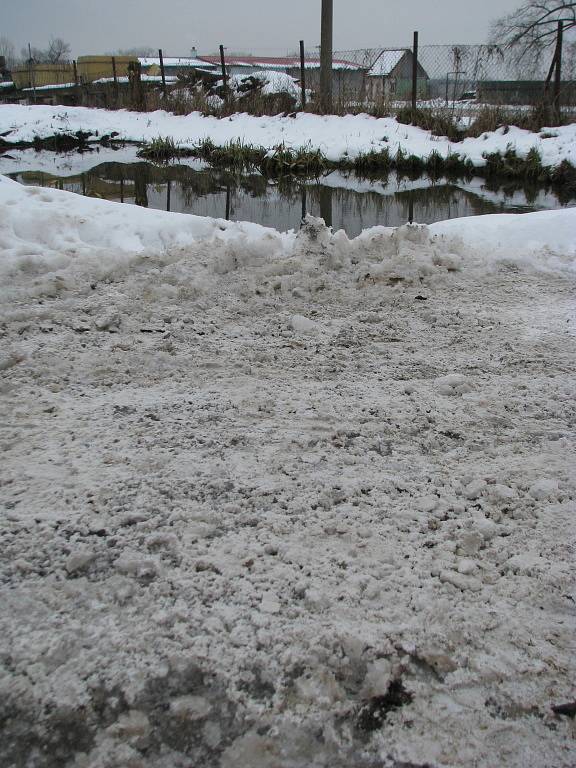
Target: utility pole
326	56
558	74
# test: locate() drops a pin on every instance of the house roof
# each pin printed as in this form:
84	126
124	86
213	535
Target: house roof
175	61
386	62
278	62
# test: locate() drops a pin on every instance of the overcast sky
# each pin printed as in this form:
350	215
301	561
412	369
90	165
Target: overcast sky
265	26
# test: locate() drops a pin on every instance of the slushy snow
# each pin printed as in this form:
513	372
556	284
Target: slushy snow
283	500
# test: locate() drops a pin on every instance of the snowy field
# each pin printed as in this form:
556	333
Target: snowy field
337	138
284	500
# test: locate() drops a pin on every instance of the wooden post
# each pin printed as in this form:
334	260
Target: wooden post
162	72
303	74
414	76
224	75
75	72
558	74
115	78
326	56
31	75
140	91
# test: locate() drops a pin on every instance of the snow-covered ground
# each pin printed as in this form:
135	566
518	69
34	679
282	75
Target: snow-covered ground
336	137
284	500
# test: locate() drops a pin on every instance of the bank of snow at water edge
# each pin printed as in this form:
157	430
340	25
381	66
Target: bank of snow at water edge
337	138
50	239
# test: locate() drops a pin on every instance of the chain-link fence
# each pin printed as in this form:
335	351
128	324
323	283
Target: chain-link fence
461	75
461	79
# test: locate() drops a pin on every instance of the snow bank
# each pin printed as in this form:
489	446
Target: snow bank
53	241
535	235
50	235
336	137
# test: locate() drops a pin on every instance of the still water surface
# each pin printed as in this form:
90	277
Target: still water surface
344	200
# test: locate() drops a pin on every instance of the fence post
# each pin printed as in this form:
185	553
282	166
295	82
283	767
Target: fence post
302	74
162	71
224	75
558	74
115	78
326	56
31	74
135	81
414	76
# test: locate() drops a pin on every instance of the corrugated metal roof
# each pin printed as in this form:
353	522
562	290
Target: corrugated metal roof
174	61
386	62
278	62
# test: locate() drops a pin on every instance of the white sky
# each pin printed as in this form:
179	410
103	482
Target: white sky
264	26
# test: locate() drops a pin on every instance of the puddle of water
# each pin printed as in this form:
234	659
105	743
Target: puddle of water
344	200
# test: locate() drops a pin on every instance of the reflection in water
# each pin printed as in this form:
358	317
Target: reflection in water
344	201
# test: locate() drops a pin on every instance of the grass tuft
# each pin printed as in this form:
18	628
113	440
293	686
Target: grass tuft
161	150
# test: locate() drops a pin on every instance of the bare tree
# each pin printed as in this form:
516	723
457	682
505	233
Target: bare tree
58	51
7	51
140	51
531	28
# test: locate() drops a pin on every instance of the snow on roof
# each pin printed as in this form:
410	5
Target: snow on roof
144	78
102	81
174	61
51	87
278	62
6	84
386	62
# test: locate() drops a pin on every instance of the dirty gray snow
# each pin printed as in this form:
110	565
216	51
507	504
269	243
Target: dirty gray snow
315	509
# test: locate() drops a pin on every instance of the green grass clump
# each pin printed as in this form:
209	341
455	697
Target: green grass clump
457	167
435	165
563	179
161	150
282	161
510	165
373	162
234	155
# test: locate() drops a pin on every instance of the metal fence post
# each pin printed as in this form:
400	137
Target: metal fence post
162	71
414	75
114	72
303	74
224	75
558	74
